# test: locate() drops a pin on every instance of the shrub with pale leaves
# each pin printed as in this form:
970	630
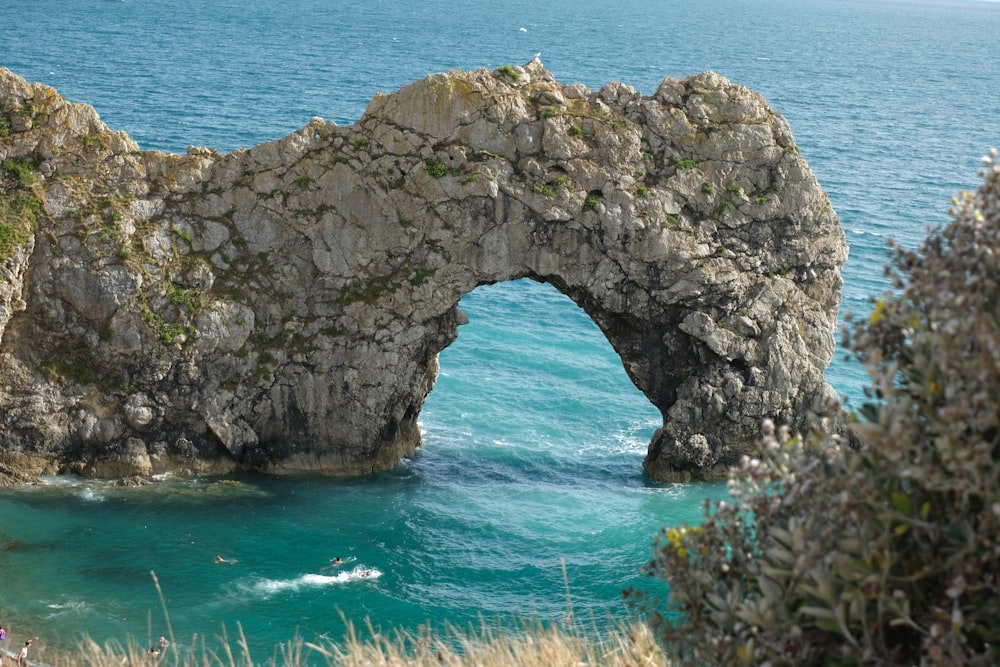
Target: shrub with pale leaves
878	544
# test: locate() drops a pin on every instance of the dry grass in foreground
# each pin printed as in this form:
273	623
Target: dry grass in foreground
624	645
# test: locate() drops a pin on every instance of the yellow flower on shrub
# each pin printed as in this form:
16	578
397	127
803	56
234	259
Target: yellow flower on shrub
878	314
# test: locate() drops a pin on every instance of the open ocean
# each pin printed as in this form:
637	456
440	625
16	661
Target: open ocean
528	498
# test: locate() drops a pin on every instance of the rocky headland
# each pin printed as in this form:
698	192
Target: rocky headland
281	308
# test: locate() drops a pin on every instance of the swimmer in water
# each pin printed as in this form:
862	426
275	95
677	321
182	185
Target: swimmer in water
337	562
155	651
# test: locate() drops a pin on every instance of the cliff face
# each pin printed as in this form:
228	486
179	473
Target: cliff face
282	308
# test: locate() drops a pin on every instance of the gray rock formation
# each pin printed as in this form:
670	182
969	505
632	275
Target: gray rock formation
282	308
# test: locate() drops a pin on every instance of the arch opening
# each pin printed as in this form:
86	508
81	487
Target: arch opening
532	376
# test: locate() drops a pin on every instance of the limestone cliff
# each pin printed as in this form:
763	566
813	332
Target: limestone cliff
281	308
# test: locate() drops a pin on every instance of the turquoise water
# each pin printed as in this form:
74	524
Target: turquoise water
534	436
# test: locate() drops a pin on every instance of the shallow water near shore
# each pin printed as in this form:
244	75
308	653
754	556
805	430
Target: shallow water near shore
528	496
527	501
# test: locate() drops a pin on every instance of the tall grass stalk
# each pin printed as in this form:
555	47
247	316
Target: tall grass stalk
166	614
611	644
531	643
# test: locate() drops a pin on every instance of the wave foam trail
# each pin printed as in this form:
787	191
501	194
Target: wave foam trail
272	586
79	604
67	608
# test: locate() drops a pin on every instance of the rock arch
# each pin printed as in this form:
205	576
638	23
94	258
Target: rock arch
282	307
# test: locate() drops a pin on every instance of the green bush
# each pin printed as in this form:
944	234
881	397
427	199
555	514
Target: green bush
684	165
20	170
509	71
18	219
438	169
880	543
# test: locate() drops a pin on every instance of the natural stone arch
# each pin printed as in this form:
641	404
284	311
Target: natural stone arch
282	308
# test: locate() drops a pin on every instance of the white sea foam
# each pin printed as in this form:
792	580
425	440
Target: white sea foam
267	587
62	480
90	494
70	608
73	604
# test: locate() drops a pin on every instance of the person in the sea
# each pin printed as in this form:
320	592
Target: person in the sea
336	562
22	656
219	558
161	645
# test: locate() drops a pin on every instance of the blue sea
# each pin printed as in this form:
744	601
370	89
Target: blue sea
528	498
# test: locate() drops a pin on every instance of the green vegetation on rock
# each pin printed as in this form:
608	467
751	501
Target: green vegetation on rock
509	71
19	207
684	165
438	169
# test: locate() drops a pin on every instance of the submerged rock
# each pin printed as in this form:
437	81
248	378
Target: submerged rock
281	308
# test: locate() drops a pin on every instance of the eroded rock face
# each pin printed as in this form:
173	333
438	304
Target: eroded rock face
282	308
